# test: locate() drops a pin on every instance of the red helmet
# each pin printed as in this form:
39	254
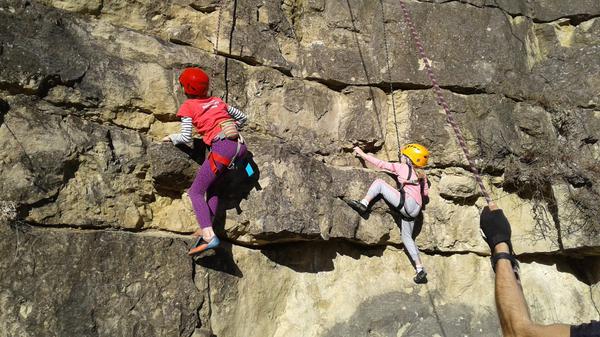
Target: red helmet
194	81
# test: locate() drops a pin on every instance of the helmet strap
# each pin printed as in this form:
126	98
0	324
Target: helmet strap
407	160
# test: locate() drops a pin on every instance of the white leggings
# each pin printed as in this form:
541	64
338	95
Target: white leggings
410	209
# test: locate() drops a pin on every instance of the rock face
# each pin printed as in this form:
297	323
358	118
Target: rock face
70	283
93	206
95	284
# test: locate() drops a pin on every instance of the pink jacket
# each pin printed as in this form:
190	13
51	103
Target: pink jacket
401	171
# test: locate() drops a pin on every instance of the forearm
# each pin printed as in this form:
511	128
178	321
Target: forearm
185	136
238	115
512	307
510	302
380	164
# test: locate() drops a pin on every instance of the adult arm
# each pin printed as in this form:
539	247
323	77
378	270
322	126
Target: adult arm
510	301
512	307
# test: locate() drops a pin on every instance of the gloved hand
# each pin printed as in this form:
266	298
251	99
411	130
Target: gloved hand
495	227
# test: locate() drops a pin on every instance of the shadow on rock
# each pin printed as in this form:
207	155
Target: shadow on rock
219	259
4	107
585	269
173	170
399	314
314	257
197	152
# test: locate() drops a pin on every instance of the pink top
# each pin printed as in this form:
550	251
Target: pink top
401	171
206	114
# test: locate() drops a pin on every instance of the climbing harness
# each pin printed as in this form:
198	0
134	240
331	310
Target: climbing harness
214	158
441	101
403	193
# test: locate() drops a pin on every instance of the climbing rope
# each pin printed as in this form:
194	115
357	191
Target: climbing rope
442	102
389	71
221	3
530	11
216	50
233	20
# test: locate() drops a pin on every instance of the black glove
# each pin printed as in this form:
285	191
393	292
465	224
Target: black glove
495	228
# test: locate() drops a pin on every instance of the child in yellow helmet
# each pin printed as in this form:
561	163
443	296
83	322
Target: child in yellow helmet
408	200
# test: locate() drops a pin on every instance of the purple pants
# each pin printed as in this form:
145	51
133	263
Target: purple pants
204	201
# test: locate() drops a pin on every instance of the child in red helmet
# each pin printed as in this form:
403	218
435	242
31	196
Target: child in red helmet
218	124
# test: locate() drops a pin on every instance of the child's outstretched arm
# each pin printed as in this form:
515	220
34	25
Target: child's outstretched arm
184	136
238	115
380	164
393	168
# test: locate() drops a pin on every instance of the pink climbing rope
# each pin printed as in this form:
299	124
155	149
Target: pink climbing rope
442	102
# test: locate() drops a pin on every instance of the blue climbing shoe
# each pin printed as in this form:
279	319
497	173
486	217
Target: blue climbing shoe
202	245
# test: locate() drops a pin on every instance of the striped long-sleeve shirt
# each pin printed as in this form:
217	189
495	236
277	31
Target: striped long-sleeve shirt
240	117
185	135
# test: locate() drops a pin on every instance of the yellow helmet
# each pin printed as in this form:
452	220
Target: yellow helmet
417	153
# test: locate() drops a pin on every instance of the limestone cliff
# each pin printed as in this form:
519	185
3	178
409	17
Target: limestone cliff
94	212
